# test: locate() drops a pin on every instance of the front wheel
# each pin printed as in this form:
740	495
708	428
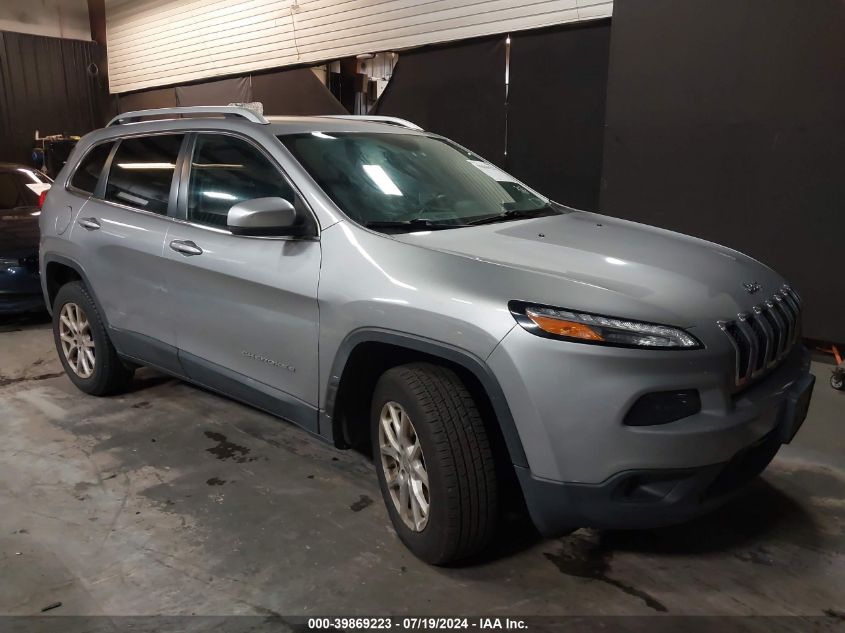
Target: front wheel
434	462
87	354
837	379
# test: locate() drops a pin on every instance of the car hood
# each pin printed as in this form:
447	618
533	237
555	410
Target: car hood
595	263
18	233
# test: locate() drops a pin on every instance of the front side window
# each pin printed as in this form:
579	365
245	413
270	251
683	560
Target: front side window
89	170
226	170
380	179
142	172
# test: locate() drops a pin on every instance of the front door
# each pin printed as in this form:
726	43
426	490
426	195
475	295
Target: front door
246	307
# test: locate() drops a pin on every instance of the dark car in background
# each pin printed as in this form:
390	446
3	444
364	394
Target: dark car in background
22	191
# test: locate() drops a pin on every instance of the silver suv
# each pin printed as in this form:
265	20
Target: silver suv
385	288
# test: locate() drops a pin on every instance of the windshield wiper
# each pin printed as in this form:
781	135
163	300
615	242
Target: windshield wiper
414	223
514	214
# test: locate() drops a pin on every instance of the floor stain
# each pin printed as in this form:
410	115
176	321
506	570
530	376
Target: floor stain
583	559
4	380
758	556
228	450
362	503
215	481
142	405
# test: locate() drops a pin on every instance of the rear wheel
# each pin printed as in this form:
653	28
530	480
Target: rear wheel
434	462
837	379
85	350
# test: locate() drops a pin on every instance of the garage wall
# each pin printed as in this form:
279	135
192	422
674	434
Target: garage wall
547	128
730	127
556	102
296	91
53	18
46	84
457	90
162	42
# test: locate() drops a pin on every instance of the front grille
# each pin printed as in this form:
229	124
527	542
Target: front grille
762	337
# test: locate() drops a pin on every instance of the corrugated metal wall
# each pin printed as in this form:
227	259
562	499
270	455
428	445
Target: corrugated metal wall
171	41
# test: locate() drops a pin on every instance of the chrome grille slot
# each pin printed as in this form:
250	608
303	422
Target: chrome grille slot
780	328
753	342
762	328
788	315
763	337
796	299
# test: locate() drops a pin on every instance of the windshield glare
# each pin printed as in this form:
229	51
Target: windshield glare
375	177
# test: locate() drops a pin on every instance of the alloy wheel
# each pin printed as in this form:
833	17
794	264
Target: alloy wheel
404	466
77	340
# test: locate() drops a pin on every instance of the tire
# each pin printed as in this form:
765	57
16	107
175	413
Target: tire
443	422
107	374
837	380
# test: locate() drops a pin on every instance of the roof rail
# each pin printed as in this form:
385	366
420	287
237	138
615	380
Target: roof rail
390	120
224	111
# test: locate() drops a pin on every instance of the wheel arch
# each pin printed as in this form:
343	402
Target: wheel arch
60	270
366	353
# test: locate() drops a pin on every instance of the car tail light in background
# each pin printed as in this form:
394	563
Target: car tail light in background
42	197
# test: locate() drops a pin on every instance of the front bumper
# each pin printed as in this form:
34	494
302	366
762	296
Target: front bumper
652	498
587	468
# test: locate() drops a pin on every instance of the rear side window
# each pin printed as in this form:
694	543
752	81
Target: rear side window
142	171
88	173
227	170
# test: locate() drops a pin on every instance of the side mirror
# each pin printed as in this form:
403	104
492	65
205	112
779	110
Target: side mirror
265	216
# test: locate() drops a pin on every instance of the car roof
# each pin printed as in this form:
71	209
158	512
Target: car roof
207	118
239	116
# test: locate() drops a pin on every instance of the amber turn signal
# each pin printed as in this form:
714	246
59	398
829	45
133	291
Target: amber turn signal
560	327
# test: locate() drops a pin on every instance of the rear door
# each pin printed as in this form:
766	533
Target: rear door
121	231
245	307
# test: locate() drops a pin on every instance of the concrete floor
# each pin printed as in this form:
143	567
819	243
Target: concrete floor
171	500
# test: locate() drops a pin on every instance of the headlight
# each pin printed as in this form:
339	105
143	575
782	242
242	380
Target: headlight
596	329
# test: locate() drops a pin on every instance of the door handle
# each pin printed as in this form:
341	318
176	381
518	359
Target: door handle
89	224
186	247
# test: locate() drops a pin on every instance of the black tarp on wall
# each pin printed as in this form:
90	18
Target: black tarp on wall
457	90
726	120
294	92
220	92
553	121
147	99
45	85
286	92
556	101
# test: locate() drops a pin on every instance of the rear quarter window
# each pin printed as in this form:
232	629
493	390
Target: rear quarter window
88	173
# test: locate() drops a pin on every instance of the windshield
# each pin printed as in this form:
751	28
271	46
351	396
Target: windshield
379	179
